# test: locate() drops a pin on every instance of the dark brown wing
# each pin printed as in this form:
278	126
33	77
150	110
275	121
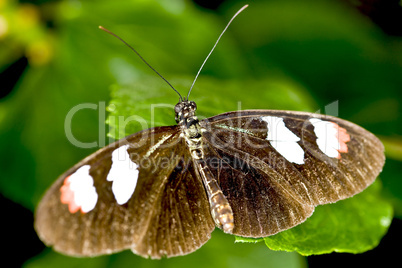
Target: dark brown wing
267	192
167	215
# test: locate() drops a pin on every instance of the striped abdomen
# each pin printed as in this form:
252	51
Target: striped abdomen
220	209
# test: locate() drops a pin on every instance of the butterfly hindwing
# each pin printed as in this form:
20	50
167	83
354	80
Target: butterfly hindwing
275	166
139	193
261	205
182	222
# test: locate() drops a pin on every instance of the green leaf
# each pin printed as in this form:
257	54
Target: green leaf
353	225
148	103
391	177
220	251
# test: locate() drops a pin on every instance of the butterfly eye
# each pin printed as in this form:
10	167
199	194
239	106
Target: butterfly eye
193	105
178	107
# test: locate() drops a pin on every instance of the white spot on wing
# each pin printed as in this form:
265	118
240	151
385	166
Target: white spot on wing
284	140
81	184
327	135
124	174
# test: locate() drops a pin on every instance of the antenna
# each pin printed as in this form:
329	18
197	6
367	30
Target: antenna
138	54
224	30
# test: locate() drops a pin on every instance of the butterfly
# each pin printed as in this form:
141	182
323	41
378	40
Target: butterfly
162	191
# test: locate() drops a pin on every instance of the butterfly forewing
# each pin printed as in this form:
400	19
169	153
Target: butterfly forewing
143	196
275	166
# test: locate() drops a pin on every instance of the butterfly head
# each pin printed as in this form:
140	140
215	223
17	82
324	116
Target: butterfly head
185	110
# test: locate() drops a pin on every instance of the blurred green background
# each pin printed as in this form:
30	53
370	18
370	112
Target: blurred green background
340	57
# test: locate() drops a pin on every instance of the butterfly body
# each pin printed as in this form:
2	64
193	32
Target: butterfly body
221	211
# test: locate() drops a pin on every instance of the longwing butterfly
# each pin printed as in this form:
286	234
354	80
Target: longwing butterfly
161	191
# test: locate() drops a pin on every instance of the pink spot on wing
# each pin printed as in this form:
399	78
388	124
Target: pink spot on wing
78	191
343	137
67	196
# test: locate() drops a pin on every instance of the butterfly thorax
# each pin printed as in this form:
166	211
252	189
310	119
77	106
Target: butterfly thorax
192	132
190	127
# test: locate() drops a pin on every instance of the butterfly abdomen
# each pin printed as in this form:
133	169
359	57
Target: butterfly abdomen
221	211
